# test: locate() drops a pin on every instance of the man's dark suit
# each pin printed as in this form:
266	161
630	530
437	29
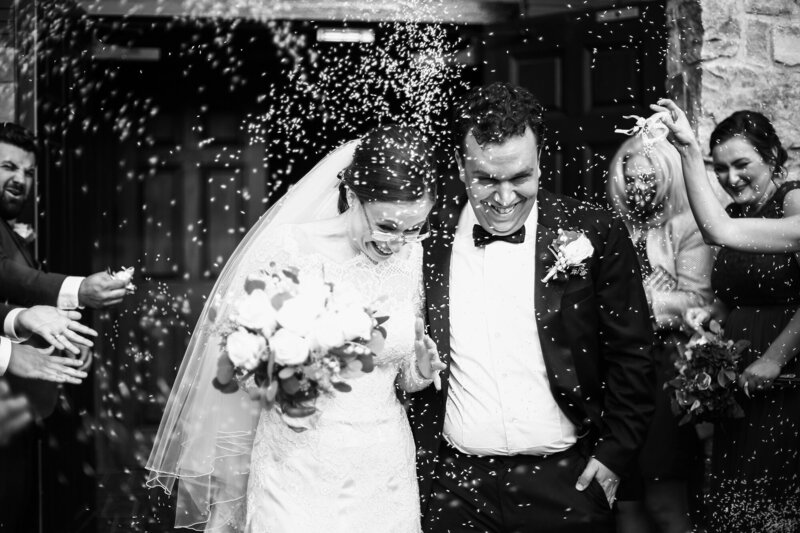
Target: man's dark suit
23	283
595	335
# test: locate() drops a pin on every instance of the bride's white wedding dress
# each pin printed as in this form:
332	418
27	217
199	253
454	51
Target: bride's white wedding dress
354	470
241	469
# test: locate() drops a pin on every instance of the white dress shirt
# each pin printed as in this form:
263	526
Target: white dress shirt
499	400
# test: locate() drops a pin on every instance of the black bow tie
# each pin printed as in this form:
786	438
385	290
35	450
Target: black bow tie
483	237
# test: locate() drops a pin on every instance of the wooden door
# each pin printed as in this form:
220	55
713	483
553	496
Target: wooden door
147	164
182	206
588	69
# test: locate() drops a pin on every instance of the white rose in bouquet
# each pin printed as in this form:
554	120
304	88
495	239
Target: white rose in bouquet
245	349
328	332
299	313
578	250
289	347
255	311
356	323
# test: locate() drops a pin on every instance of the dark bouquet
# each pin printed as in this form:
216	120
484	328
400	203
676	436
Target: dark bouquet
708	369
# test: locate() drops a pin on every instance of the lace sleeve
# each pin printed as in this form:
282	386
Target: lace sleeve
409	378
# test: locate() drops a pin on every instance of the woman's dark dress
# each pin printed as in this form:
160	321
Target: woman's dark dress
754	483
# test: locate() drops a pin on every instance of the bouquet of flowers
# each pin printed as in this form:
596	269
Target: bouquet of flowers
296	337
708	368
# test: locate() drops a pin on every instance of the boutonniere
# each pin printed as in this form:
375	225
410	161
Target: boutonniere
25	231
571	249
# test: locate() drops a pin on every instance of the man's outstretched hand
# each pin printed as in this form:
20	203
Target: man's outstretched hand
101	290
58	328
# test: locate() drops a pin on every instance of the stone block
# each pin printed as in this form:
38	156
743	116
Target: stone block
722	28
771	7
786	45
757	41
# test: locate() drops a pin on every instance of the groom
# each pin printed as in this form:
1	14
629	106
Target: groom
549	384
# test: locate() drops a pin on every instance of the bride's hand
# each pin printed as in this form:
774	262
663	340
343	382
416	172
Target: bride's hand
428	362
675	119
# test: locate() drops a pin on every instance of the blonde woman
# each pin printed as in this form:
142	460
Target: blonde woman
646	188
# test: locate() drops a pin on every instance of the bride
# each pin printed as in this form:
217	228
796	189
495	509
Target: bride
358	217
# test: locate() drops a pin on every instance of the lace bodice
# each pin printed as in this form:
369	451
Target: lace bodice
355	467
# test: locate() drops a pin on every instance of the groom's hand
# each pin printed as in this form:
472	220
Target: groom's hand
608	480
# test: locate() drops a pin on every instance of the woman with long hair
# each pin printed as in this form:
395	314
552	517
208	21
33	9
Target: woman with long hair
645	187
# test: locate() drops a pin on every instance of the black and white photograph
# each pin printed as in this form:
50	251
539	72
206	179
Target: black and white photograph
407	266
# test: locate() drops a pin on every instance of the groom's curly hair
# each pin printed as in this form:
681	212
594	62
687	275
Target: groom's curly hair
496	112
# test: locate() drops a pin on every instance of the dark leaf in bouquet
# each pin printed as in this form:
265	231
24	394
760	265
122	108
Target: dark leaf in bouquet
715	327
367	362
292	274
341	386
382	331
676	382
225	388
254	284
271	391
381	319
290	385
345	352
287	372
740	346
279	299
299	411
736	411
685	419
225	370
725	377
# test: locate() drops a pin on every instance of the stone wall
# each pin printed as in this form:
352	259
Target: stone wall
738	54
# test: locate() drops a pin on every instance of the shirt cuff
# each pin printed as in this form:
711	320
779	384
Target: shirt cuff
5	354
68	295
8	325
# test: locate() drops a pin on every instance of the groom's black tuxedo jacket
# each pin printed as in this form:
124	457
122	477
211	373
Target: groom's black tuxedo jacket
595	333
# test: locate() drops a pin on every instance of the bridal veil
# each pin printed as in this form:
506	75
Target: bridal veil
206	437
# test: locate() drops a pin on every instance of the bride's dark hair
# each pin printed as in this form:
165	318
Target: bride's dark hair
392	163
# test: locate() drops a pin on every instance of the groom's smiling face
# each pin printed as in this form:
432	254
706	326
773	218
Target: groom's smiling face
502	180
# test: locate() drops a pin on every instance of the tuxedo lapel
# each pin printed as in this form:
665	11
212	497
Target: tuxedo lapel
437	293
548	295
436	268
21	247
554	340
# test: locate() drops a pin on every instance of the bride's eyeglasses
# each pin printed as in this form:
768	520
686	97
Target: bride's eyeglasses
406	237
